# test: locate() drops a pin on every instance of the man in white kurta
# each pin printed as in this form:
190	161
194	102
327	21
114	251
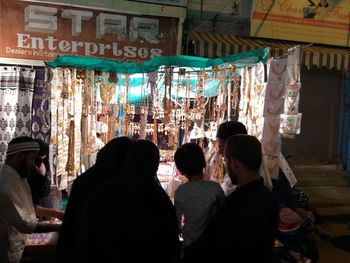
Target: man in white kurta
17	215
17	212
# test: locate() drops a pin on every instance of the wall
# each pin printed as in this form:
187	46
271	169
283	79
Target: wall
130	7
76	27
219	16
320	105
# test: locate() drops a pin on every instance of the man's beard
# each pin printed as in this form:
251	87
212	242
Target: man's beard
23	170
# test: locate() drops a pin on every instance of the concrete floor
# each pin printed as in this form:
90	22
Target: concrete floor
328	190
329	253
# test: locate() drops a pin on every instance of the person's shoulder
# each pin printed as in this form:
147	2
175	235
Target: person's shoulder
84	178
265	194
4	188
183	187
4	173
184	190
3	177
7	180
264	189
212	185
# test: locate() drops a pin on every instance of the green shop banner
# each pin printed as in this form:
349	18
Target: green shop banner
138	88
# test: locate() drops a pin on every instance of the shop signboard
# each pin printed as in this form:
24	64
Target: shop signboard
326	23
166	2
34	30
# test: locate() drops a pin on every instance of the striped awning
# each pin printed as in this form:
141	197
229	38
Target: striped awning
214	45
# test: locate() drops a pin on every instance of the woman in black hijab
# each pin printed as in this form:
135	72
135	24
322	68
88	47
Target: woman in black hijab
110	160
144	228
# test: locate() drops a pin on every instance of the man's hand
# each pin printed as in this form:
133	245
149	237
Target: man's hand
41	169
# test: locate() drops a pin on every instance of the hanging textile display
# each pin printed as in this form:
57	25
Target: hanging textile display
253	88
291	119
66	98
174	100
274	106
60	123
274	99
41	113
262	108
87	111
107	93
74	132
233	92
55	94
17	87
121	110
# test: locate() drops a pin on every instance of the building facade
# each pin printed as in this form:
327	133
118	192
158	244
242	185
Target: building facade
228	27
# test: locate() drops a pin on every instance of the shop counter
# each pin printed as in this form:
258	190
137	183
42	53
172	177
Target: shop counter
41	247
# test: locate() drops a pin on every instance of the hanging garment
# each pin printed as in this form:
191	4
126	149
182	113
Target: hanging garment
78	108
254	98
291	119
73	130
274	99
59	105
16	87
41	114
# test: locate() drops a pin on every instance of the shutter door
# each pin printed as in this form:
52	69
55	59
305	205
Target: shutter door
319	104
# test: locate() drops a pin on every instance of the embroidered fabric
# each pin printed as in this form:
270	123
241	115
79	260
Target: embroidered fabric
41	113
290	125
16	89
274	99
293	69
253	99
271	143
258	73
292	95
277	69
76	93
245	90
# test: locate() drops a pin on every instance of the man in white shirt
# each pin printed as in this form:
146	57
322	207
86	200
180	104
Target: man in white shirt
17	213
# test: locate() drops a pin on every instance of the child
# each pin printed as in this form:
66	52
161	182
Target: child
197	200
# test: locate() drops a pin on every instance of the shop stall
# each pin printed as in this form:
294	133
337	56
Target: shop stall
169	100
77	102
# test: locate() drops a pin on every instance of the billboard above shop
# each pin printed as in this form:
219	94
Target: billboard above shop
284	19
33	30
166	2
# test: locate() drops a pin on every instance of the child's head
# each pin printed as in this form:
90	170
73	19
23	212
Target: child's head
189	159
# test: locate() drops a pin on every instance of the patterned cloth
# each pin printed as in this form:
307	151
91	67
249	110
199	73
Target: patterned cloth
74	114
41	116
16	94
55	96
59	105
